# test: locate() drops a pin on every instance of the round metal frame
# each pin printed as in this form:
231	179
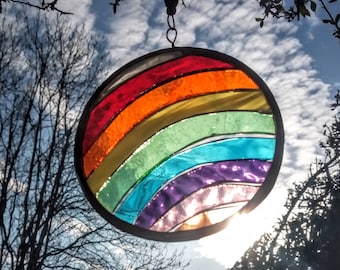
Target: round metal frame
124	75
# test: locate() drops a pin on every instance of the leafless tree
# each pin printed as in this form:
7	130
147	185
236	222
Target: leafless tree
48	71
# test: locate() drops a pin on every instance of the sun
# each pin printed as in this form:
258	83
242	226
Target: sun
240	233
229	244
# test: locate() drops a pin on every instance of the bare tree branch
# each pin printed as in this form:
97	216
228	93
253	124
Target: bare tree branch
43	5
48	71
300	8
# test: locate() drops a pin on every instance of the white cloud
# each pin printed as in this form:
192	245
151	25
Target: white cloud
80	9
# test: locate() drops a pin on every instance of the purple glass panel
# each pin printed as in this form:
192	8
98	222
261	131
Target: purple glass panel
215	196
246	171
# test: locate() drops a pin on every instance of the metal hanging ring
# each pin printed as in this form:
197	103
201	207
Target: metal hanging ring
171	33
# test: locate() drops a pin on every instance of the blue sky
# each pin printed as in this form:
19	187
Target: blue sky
299	62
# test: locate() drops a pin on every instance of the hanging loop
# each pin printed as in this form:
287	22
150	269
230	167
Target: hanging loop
171	33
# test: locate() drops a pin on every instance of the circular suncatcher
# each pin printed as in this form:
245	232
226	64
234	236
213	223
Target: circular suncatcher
176	142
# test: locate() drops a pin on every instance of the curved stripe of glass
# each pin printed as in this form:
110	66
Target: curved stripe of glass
209	217
162	96
133	69
229	149
214	196
251	171
122	95
237	100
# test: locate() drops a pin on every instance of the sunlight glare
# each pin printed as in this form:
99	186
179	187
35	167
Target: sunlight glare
229	245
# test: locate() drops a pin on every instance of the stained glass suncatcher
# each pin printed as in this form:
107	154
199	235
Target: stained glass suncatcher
174	143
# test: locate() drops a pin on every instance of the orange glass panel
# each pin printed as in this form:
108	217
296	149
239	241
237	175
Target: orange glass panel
160	97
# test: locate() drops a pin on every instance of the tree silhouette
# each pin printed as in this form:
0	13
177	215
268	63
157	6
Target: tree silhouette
41	4
308	235
301	8
48	71
289	10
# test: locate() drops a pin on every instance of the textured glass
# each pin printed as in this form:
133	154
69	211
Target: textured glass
149	206
162	96
228	149
174	143
214	196
131	70
237	122
210	217
109	107
179	136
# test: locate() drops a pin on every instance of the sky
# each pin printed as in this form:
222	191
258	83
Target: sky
298	61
